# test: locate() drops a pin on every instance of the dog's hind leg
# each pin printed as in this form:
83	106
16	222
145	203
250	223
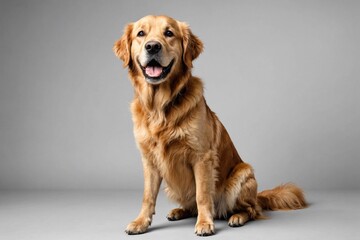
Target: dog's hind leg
241	195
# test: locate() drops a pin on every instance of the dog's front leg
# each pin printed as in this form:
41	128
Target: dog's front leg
205	184
152	181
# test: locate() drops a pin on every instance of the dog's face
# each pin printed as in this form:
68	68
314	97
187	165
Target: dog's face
157	48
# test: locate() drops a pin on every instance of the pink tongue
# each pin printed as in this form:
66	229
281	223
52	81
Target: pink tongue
152	71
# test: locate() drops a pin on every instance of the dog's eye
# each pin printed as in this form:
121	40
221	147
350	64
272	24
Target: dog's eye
141	34
169	33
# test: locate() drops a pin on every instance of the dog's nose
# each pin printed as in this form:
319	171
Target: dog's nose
153	47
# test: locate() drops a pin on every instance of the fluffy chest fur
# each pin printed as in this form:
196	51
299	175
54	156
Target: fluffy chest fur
172	137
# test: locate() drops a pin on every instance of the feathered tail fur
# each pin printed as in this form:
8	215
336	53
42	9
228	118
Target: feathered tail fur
284	197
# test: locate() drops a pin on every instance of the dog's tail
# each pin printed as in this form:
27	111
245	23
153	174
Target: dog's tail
284	197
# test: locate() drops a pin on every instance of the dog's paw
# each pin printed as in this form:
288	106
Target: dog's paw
178	214
238	220
204	228
138	226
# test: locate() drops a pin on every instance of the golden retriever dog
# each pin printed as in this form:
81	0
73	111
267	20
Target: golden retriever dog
181	140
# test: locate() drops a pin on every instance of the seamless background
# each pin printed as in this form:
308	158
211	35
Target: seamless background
283	76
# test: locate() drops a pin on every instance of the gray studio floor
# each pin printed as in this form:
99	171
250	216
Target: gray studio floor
103	215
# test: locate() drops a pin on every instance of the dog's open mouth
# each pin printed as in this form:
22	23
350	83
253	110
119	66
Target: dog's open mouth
154	72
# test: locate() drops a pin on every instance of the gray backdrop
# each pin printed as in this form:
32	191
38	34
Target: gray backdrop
289	69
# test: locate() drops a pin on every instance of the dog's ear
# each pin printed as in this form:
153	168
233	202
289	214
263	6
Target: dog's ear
122	47
192	45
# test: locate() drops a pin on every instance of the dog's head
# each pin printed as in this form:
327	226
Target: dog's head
157	47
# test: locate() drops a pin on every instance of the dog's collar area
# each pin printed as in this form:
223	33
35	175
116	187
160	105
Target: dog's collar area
154	73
